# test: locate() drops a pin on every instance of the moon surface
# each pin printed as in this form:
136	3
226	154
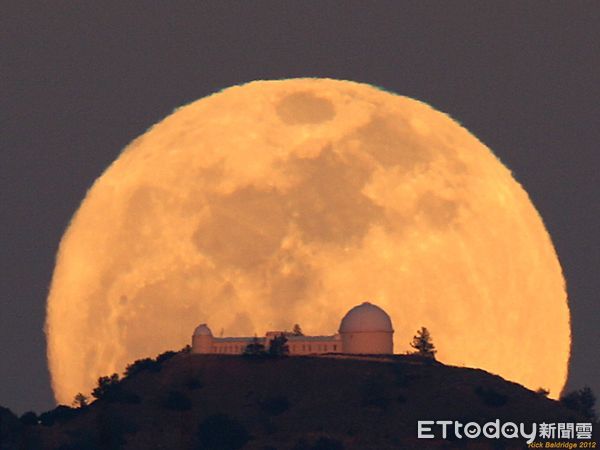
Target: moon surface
282	202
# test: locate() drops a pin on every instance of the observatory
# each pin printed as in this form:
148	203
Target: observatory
365	329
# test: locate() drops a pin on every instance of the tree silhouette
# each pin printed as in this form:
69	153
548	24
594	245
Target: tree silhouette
255	348
582	401
543	392
278	346
106	386
141	365
80	401
29	418
297	331
423	344
111	390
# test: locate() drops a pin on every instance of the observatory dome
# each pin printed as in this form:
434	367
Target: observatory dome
202	330
366	317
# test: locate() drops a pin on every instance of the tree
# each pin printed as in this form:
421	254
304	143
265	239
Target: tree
142	365
582	401
61	414
106	386
542	392
29	418
80	401
422	344
111	390
165	356
255	348
278	346
297	331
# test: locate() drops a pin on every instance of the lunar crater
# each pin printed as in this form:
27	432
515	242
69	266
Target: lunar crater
388	139
302	108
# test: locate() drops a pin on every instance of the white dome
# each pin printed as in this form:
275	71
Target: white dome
202	330
366	317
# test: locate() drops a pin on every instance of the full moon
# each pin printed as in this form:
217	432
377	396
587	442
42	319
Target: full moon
283	202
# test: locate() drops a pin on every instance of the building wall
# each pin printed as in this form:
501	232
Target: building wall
296	345
229	348
372	342
312	347
201	344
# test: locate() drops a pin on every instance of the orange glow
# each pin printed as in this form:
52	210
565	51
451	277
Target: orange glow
282	202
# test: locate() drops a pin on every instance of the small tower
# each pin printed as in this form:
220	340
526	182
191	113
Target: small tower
202	339
367	329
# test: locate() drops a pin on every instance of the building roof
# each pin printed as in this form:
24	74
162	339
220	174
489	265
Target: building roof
238	339
289	338
312	338
202	330
364	318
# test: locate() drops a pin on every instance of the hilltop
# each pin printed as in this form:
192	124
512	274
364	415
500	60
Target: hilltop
188	401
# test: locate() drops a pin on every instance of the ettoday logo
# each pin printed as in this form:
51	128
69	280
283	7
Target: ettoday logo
431	429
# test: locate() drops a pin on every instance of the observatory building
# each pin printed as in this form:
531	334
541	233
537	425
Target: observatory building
365	329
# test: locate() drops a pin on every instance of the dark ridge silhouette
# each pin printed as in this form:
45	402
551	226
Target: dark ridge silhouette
191	402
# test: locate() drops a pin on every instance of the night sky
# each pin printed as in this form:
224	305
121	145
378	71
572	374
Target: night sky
80	80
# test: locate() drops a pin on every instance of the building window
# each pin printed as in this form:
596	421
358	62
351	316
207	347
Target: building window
309	348
325	347
334	347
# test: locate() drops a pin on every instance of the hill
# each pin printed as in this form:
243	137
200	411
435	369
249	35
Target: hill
191	402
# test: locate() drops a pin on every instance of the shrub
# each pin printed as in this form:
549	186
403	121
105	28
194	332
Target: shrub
542	392
61	413
278	346
490	397
177	401
141	365
582	401
10	429
276	405
29	418
80	401
221	432
111	390
255	349
165	356
106	385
